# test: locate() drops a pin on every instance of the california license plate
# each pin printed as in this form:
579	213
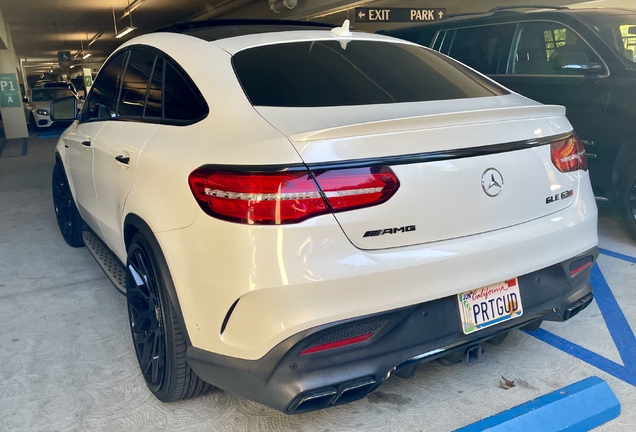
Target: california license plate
490	305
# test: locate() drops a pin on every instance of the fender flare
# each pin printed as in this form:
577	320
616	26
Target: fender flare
135	224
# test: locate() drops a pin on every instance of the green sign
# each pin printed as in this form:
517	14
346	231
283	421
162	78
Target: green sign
88	81
10	91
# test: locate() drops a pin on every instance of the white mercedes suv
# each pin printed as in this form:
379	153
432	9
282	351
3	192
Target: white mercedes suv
297	213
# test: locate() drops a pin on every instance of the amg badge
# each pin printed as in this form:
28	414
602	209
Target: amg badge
380	232
561	196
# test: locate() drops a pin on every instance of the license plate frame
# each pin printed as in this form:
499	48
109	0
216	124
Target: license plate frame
502	300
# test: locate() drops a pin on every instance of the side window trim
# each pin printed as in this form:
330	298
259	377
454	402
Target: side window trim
450	44
154	65
515	44
437	35
507	64
167	61
120	79
158	58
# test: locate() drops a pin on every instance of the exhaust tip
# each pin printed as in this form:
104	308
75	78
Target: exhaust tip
313	401
354	391
577	307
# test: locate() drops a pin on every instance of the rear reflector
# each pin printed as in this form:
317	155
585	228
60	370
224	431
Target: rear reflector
337	344
581	264
288	196
569	154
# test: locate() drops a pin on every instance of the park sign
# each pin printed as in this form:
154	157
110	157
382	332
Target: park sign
399	14
9	91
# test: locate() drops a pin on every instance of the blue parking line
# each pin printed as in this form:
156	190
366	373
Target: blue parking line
581	406
618	256
619	329
589	357
3	144
50	133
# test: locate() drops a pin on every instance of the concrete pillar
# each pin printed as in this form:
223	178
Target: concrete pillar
13	118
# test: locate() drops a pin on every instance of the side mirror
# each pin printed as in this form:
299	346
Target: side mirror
64	109
25	99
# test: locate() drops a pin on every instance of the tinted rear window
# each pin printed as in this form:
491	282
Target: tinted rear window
323	73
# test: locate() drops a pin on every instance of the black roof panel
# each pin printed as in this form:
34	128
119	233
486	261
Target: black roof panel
211	30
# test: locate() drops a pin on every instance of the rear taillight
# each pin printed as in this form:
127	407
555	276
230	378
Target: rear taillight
288	196
569	154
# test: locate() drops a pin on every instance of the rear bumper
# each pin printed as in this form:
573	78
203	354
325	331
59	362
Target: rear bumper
404	338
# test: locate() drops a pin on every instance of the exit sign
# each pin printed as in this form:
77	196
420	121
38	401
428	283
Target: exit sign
399	14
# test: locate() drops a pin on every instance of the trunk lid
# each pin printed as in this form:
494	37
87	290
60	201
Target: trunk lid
465	166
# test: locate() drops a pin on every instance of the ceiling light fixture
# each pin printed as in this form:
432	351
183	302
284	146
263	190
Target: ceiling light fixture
87	55
125	31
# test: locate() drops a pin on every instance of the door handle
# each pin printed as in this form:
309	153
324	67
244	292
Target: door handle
122	159
86	143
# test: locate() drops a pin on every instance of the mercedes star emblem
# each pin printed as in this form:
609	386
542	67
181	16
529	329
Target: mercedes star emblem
492	182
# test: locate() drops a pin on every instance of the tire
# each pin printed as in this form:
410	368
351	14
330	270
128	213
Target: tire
158	336
627	200
32	126
68	218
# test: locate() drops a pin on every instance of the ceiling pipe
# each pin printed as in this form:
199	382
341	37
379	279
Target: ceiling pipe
277	6
131	7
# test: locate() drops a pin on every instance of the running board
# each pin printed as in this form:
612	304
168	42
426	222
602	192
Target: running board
106	260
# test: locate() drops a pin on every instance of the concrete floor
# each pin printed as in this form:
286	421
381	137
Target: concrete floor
67	362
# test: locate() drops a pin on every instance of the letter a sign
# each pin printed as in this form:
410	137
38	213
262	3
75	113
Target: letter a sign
9	91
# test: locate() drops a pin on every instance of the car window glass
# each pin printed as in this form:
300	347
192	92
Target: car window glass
49	94
103	94
618	31
483	48
153	102
132	97
548	48
324	73
628	39
181	100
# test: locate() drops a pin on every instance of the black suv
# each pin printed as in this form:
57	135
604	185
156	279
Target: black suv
583	59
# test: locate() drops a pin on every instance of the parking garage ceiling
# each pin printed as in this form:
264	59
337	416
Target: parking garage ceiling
42	28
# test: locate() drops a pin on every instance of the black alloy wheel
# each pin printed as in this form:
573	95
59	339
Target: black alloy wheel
627	201
158	336
146	319
68	218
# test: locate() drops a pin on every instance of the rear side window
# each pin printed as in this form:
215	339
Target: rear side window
324	73
550	48
181	100
132	98
103	95
483	48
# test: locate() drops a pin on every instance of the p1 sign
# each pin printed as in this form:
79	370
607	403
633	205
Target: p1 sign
9	91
